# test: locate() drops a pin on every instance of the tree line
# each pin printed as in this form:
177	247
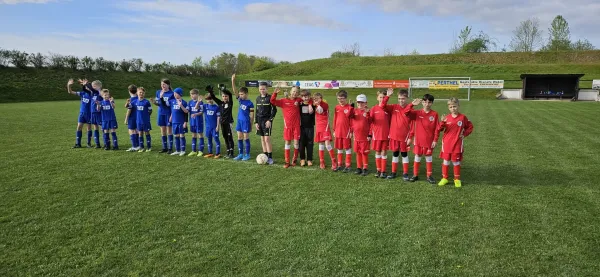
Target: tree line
221	65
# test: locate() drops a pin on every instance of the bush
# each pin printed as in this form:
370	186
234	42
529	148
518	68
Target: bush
56	61
148	67
19	59
125	65
37	60
87	63
4	57
72	62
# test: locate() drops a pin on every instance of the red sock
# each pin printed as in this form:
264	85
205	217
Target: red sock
287	156
429	166
332	156
445	171
365	161
321	155
457	172
359	160
416	168
348	160
295	154
383	164
394	167
405	168
378	163
339	158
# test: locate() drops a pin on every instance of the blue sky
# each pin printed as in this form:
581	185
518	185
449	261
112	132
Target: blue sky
178	31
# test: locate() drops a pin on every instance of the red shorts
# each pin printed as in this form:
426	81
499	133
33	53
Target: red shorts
422	151
380	145
291	133
322	136
396	145
362	147
453	157
342	143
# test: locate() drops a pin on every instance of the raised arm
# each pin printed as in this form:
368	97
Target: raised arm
274	100
233	83
69	83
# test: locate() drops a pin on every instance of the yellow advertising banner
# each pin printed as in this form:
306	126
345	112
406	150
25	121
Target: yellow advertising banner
444	84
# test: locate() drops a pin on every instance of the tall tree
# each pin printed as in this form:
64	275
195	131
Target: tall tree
560	35
243	64
527	36
467	43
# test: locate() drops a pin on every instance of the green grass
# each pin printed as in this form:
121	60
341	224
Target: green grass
528	207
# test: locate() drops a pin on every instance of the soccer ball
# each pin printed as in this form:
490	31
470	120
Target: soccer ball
262	159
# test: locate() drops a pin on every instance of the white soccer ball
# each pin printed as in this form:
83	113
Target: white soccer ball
262	158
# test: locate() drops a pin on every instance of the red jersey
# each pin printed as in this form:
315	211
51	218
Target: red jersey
425	126
380	120
322	119
453	127
341	121
290	108
361	125
401	127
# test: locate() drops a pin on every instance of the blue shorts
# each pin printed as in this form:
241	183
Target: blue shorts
96	119
211	132
84	118
197	129
144	127
111	124
131	123
163	120
178	129
243	126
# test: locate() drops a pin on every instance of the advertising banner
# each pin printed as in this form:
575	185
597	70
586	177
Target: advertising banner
444	84
499	84
419	83
596	84
332	84
283	84
390	83
356	84
251	84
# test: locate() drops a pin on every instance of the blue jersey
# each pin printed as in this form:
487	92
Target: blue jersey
95	97
143	108
211	112
194	110
85	102
163	109
244	110
132	107
177	114
107	110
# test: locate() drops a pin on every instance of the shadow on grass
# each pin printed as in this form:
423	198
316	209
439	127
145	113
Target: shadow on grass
510	175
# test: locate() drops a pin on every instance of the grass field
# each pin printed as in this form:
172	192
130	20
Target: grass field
529	204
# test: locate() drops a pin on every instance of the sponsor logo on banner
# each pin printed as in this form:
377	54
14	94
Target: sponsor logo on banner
283	84
419	83
482	83
332	84
390	83
596	84
356	84
444	84
251	84
269	83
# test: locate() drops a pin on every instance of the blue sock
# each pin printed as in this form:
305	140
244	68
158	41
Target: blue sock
164	141
78	135
247	146
177	144
141	141
241	146
114	137
133	141
149	141
97	137
170	142
201	144
218	143
210	145
194	140
183	142
89	137
137	140
106	139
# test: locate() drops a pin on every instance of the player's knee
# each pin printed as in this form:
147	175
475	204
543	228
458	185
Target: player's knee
456	163
429	159
404	154
396	153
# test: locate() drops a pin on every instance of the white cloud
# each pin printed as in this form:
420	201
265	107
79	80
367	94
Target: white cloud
15	2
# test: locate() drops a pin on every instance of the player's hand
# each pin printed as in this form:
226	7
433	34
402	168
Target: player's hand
310	109
128	100
268	124
277	90
416	102
184	124
84	81
444	118
390	91
111	99
408	141
433	145
369	138
70	82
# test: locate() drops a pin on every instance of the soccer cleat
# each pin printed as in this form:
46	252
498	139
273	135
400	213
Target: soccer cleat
457	183
431	180
115	148
217	156
174	153
192	154
164	150
383	175
413	179
246	157
346	170
377	174
149	150
106	147
365	172
286	165
405	177
358	171
170	151
392	176
200	154
182	153
230	156
322	165
238	157
443	182
337	169
302	163
270	161
98	146
294	162
131	150
309	163
141	150
76	146
89	146
208	155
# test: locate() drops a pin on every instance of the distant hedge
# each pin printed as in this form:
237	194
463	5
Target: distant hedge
29	85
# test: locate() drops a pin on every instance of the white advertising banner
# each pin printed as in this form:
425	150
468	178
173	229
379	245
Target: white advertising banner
419	83
331	84
499	84
596	84
356	84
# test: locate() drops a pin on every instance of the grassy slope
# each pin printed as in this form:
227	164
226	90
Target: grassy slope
529	205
